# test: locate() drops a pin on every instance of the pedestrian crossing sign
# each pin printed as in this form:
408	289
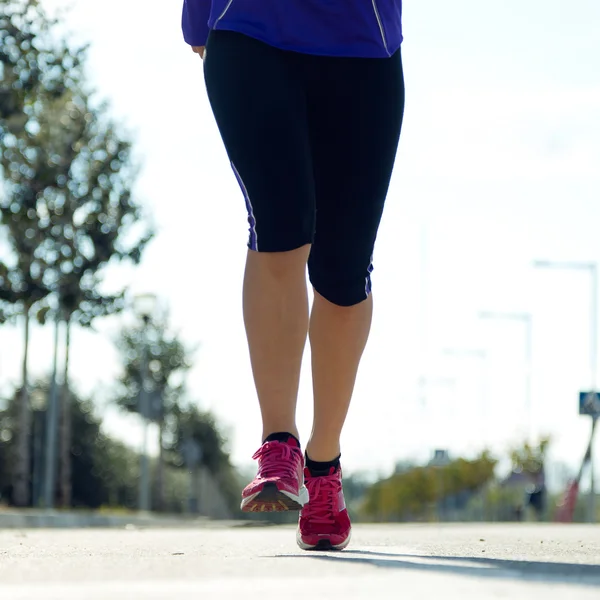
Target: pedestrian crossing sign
589	404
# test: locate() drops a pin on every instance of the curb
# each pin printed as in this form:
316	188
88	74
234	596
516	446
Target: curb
72	520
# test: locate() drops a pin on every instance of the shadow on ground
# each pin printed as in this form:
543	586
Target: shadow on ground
577	574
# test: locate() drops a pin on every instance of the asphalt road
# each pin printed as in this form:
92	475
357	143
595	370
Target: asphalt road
463	562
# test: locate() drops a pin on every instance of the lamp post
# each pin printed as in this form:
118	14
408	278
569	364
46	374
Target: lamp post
527	320
144	306
592	270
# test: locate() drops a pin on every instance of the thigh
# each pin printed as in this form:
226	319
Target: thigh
260	108
355	116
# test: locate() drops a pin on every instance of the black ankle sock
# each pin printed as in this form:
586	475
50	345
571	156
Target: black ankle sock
322	468
281	436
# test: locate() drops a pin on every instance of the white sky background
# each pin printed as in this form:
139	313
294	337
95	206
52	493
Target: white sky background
499	164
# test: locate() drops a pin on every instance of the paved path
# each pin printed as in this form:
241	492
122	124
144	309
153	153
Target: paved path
473	562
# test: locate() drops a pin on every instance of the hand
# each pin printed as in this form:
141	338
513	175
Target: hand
199	50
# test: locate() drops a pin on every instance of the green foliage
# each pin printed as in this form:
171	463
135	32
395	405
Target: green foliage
104	470
68	174
497	503
412	494
67	211
8	432
101	222
68	208
167	360
530	459
66	205
190	423
34	64
34	75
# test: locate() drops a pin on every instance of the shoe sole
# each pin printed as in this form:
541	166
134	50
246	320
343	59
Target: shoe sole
324	544
272	499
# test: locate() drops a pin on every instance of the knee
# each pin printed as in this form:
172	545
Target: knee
344	284
279	265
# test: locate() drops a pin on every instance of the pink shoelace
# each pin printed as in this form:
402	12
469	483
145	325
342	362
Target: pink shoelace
276	459
324	492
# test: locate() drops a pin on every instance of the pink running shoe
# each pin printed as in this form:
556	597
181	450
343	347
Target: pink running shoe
324	521
279	484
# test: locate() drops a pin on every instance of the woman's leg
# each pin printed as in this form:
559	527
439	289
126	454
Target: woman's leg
260	107
356	127
338	336
276	318
355	116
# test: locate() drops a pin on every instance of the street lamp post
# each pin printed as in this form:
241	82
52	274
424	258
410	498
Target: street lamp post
592	269
144	306
527	320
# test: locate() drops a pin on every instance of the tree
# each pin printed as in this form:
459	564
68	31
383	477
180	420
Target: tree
154	362
33	68
411	494
530	459
68	206
190	424
529	462
33	64
103	225
104	469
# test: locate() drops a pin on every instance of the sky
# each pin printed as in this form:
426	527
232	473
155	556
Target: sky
498	165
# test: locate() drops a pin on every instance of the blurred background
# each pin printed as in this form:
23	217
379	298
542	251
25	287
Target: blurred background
124	378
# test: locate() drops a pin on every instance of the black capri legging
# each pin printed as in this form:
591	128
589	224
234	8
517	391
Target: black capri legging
312	141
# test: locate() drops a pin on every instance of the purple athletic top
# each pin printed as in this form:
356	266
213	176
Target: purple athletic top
358	28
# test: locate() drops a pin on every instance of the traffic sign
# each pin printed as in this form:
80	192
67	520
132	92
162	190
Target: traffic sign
589	404
153	410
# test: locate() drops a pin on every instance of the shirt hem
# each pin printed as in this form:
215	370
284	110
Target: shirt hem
329	52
